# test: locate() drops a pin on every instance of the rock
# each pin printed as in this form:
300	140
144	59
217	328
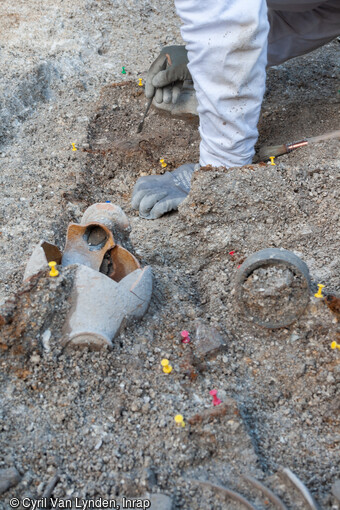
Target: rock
149	478
160	502
336	489
35	359
8	478
98	444
45	340
50	486
7	311
209	342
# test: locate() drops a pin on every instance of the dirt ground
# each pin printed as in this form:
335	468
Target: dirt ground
104	421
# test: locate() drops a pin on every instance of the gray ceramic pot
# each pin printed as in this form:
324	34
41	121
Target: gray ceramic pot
295	298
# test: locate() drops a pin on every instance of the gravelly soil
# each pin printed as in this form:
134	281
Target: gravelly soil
272	294
104	420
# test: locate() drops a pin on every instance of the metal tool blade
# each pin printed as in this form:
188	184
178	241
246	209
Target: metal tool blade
141	124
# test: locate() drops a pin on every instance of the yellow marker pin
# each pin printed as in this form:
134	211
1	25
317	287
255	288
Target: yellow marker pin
166	367
73	146
162	162
272	160
54	271
319	292
179	420
140	82
334	345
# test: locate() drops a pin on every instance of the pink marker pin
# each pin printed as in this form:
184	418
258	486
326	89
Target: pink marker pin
216	400
185	337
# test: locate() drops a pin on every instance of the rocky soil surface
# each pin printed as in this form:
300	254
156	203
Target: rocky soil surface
101	424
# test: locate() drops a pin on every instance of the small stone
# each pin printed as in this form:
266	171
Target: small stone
208	342
35	358
149	479
98	445
233	425
45	339
40	488
330	378
160	502
336	489
8	478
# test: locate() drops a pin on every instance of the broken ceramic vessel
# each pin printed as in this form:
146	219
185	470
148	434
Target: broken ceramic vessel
110	288
277	299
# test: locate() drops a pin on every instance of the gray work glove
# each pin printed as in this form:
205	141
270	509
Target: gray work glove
167	74
155	195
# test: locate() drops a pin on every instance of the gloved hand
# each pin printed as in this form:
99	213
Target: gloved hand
167	74
156	195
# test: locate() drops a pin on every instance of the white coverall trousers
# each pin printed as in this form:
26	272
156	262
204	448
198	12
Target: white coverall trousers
230	43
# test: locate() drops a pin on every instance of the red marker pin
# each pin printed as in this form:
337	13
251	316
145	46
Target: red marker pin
232	253
216	401
185	337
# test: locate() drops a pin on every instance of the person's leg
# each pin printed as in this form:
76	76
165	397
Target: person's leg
296	33
227	51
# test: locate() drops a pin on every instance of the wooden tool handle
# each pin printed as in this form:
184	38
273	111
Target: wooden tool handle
326	136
